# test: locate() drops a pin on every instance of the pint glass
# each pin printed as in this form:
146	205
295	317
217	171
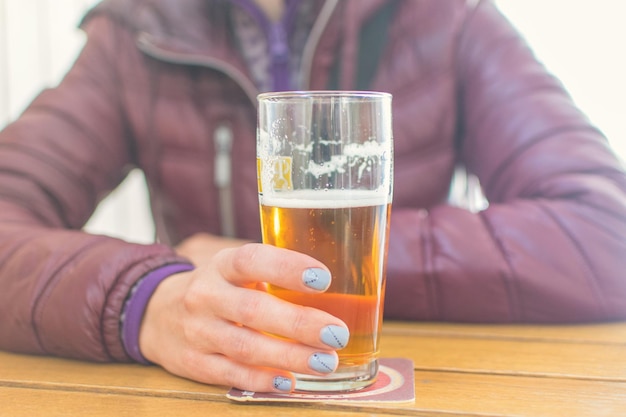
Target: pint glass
325	177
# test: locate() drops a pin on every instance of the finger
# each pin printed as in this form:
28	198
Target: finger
267	313
262	350
285	268
217	369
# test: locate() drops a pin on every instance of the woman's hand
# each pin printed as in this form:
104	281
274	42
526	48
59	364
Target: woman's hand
212	325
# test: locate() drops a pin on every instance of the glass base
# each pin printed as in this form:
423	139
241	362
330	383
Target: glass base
349	378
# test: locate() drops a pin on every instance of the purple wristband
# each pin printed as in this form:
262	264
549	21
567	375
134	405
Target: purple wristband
136	306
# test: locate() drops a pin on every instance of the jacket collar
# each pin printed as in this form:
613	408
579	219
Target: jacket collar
183	25
180	31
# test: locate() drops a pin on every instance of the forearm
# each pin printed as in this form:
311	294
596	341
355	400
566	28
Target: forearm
64	291
534	260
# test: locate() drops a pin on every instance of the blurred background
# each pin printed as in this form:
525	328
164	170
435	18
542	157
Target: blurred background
581	41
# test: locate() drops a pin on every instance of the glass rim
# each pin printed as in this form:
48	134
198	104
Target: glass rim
313	94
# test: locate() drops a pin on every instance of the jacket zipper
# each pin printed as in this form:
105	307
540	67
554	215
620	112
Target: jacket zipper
313	40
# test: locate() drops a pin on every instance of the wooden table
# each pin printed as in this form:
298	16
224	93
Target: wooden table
460	370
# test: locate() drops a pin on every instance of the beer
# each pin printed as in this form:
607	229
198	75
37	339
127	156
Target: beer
347	231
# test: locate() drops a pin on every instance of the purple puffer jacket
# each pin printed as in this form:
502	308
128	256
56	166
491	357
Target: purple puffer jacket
160	86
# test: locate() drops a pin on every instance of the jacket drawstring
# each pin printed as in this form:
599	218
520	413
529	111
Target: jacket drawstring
223	140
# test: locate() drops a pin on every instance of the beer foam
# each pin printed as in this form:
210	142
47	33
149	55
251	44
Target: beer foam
352	154
325	199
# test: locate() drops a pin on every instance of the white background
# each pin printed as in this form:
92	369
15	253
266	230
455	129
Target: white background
583	42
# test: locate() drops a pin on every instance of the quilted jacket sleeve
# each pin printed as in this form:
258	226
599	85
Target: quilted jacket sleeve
551	245
62	290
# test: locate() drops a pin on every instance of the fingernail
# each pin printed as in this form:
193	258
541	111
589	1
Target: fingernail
316	278
282	384
323	362
335	336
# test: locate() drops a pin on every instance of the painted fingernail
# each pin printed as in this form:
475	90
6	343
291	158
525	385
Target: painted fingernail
335	336
323	362
282	384
316	278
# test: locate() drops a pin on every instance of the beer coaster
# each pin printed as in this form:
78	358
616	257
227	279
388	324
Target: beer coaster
395	384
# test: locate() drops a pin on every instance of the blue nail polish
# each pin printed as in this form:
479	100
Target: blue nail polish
282	384
323	362
335	336
316	278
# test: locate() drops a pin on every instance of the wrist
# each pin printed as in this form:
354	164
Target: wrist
135	307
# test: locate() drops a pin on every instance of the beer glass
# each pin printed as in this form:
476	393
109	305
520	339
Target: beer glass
325	178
